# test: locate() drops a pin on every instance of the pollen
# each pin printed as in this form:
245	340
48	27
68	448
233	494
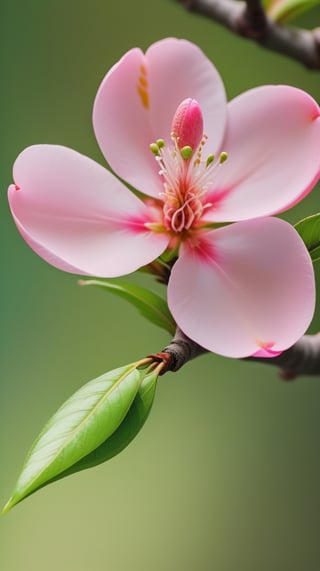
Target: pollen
143	81
142	87
144	96
143	69
265	344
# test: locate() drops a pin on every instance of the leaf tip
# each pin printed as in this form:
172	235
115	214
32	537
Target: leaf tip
10	503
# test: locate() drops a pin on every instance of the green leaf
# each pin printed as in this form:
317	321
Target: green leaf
284	11
81	424
309	230
125	433
150	305
315	254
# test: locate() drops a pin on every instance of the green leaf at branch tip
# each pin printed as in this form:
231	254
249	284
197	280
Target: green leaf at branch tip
150	305
82	424
125	433
309	230
283	11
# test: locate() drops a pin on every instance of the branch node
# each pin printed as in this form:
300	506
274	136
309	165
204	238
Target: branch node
252	23
166	358
316	37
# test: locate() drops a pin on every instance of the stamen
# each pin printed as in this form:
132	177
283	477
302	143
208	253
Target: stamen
186	152
186	173
155	149
210	160
154	226
223	157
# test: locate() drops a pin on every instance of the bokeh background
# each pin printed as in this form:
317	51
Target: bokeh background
225	474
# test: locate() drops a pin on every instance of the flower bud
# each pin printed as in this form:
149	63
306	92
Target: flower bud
187	124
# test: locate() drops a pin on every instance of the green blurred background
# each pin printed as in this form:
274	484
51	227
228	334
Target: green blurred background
225	474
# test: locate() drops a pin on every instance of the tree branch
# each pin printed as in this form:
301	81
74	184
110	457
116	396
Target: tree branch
303	358
249	20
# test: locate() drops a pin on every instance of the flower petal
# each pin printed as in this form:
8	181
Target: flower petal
272	141
78	216
248	286
179	70
137	100
122	126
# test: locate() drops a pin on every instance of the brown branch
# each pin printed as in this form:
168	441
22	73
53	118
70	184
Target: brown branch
249	20
253	21
303	358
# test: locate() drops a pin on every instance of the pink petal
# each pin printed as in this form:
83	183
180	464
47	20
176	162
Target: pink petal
78	216
138	98
122	125
246	287
272	141
266	353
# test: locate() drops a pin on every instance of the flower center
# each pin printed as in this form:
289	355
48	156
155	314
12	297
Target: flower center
186	175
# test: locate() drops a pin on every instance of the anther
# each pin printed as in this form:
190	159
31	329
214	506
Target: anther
223	157
186	152
210	160
154	147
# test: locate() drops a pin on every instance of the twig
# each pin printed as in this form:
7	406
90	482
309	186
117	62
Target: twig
303	358
249	20
253	21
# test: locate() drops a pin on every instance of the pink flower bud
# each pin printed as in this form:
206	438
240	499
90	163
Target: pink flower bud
187	124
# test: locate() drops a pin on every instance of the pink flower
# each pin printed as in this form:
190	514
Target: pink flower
242	289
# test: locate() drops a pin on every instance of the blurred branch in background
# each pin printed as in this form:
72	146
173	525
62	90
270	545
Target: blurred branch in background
303	358
249	19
